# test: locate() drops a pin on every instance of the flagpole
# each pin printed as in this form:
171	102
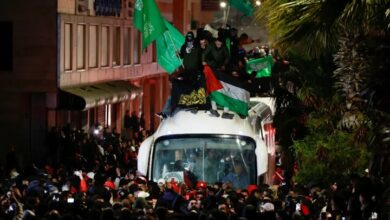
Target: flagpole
173	43
227	15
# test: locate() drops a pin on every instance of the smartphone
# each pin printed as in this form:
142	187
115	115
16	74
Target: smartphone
298	207
70	200
11	208
56	198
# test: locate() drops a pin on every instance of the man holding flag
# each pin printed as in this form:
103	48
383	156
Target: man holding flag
191	54
148	20
188	90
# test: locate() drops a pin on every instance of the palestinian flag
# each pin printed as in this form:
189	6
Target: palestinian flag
212	83
227	91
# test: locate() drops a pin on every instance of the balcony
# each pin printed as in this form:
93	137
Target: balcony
100	49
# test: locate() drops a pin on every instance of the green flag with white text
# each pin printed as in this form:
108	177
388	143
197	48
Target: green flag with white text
167	44
262	66
148	20
243	6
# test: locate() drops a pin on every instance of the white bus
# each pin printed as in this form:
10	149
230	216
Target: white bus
208	147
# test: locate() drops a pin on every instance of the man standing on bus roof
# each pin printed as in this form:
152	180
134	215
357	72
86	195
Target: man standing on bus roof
239	178
216	55
191	54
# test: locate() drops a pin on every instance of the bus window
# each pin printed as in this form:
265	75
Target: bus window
208	158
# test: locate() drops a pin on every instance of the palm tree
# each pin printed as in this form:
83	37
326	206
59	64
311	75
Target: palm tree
342	38
351	73
313	26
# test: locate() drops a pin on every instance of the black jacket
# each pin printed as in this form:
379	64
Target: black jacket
216	57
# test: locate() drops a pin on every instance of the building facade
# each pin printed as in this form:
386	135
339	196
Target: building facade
77	62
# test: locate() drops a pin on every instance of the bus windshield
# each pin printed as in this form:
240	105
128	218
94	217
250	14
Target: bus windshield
207	158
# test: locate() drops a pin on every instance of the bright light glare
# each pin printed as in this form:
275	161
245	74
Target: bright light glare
96	131
258	3
222	4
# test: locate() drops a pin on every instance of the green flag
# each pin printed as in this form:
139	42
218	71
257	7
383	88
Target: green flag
262	66
167	44
228	45
148	20
243	6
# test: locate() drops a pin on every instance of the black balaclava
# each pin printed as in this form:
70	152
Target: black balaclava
189	41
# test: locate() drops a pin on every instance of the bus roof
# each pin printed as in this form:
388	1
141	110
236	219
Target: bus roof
201	122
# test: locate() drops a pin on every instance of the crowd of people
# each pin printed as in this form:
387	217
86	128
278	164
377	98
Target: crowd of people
101	182
223	52
93	174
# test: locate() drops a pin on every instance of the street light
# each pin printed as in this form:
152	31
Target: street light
222	4
258	2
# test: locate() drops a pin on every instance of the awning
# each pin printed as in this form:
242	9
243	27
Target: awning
84	97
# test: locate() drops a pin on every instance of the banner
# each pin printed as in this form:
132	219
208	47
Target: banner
243	6
262	66
148	20
167	45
